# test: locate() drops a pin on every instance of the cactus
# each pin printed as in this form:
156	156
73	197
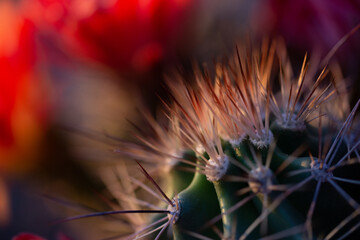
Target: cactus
245	156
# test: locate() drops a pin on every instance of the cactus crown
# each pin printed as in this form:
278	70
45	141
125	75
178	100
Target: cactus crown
247	157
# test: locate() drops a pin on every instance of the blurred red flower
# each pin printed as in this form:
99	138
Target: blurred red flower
30	236
23	92
130	36
27	236
134	35
307	24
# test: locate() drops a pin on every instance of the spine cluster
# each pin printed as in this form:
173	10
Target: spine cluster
249	151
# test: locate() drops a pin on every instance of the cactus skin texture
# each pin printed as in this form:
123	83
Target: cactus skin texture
251	157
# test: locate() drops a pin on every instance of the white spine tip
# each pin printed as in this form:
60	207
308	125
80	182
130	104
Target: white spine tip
260	180
174	210
215	170
236	142
320	171
291	122
263	140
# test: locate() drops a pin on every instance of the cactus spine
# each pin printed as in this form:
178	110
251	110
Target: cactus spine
246	157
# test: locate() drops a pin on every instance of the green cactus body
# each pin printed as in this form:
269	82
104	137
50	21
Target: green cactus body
177	179
198	204
234	222
262	171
